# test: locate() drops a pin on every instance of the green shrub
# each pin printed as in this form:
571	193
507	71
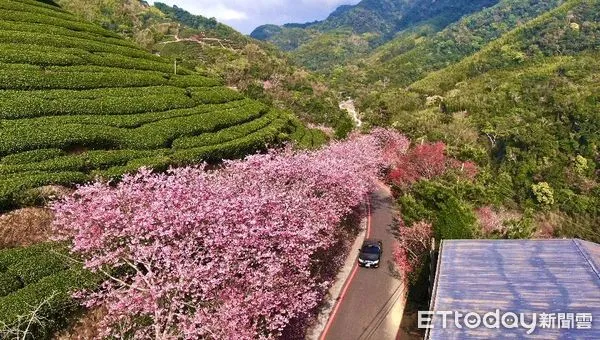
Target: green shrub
414	211
455	220
9	283
543	193
10	257
111	101
40	80
32	269
56	290
225	135
14	185
31	156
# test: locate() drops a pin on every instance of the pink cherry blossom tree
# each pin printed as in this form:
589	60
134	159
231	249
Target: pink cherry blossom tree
412	247
428	161
227	254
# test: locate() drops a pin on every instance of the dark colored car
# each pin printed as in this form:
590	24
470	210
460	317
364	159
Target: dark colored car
370	254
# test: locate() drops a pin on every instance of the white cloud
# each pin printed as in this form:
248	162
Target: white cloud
245	15
223	13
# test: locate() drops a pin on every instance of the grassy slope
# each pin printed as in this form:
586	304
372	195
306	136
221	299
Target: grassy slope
78	101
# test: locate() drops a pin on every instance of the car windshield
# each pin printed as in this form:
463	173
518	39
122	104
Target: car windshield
371	249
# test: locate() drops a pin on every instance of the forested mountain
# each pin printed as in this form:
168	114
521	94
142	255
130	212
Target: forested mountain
420	50
352	31
257	69
525	107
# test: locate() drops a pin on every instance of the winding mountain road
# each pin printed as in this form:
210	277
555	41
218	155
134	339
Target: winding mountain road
372	300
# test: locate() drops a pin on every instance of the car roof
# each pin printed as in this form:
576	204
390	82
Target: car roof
371	242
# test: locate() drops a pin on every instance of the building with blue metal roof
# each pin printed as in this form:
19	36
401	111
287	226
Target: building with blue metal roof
552	285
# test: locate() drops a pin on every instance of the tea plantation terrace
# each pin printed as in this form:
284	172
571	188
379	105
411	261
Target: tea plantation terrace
77	102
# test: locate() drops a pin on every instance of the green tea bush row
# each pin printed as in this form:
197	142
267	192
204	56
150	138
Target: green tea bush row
116	60
31	156
85	162
19	67
25	135
19	105
52	56
313	139
9	283
68	69
49	4
41	39
196	81
13	186
56	290
298	134
13	8
217	95
306	138
35	7
45	79
97	159
225	135
80	68
39	80
236	148
22	54
33	269
10	257
55	29
93	93
137	120
163	133
157	163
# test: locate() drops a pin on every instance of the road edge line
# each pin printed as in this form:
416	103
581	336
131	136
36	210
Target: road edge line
342	295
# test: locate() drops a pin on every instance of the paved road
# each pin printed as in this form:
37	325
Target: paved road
372	301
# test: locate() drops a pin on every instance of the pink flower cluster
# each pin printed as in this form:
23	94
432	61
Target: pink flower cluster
428	161
225	254
489	221
412	247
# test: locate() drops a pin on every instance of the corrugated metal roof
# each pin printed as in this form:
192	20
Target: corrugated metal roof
521	276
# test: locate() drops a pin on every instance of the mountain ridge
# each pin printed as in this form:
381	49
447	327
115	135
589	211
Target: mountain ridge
368	24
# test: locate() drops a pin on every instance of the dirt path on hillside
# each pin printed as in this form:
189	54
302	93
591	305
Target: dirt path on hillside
349	106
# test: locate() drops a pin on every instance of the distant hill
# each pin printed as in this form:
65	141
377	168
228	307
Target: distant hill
416	52
257	69
78	101
353	31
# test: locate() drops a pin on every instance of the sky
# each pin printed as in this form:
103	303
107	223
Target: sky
246	15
